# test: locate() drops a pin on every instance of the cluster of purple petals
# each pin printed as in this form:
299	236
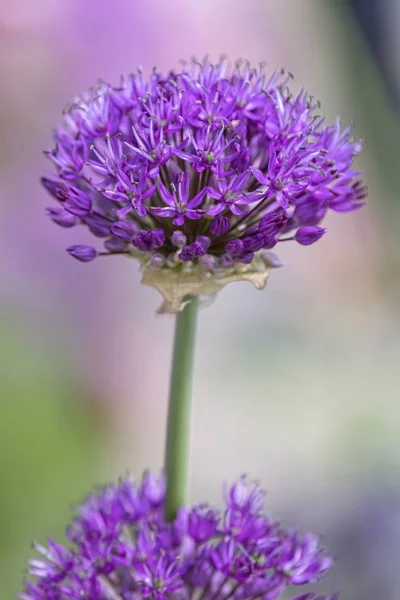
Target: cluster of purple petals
208	165
122	549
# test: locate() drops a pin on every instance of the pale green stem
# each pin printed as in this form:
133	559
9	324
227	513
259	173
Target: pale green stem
177	449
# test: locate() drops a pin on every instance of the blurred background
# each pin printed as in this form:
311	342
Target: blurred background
297	386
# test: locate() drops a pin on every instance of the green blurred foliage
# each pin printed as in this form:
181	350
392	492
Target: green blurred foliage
47	451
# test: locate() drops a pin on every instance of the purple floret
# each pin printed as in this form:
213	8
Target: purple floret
213	150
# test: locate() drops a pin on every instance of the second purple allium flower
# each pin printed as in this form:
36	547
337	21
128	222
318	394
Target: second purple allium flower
122	549
200	170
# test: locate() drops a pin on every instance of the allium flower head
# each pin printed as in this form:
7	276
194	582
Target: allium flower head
122	549
200	172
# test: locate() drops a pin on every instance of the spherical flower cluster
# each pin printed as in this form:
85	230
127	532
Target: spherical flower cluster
205	167
122	549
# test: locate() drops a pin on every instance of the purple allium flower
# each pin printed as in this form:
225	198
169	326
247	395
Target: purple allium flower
214	152
122	548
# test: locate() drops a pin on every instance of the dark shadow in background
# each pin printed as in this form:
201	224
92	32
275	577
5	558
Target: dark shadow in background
370	16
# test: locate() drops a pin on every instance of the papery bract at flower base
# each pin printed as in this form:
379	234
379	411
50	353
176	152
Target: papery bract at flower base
122	548
208	167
